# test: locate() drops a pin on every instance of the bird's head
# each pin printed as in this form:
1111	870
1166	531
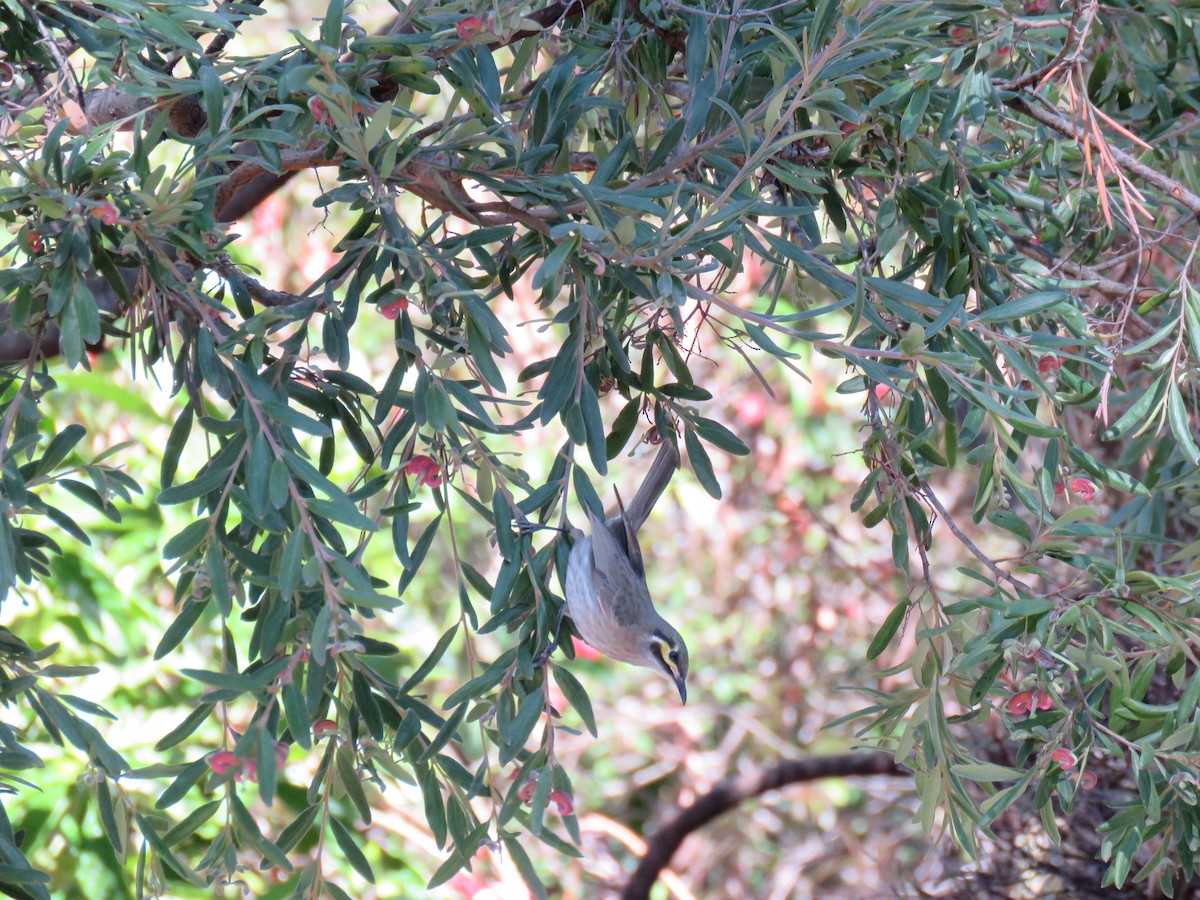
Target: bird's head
666	651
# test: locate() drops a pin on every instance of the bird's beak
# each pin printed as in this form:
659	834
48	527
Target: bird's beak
682	685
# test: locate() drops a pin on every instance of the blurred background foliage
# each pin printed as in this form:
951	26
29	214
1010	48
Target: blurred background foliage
964	531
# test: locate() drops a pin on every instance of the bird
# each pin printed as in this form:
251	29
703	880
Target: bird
606	593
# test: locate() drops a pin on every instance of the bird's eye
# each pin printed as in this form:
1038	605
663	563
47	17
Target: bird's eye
674	654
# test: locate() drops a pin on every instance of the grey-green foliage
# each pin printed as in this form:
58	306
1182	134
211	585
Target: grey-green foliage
916	222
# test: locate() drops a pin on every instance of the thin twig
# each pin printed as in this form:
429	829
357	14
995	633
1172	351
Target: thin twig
930	497
1172	188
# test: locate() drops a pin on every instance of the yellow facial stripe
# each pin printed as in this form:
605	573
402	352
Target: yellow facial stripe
663	652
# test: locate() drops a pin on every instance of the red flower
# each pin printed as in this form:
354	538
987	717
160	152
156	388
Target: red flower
584	650
1021	703
527	790
1064	757
469	27
322	727
562	800
751	409
393	309
316	106
1087	781
36	244
1084	488
106	212
1043	701
224	760
1049	363
426	469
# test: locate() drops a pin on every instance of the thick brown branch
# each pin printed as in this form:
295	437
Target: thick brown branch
729	794
252	181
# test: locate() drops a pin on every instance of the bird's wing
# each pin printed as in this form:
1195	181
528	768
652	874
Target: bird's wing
620	590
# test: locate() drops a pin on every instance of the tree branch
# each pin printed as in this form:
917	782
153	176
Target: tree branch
661	846
1173	189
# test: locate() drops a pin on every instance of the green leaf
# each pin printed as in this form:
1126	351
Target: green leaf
435	655
720	436
348	844
576	696
887	631
701	464
522	726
